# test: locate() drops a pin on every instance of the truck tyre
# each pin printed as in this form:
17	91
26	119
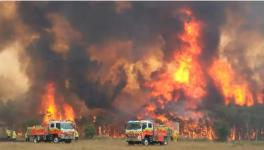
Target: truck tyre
165	142
146	142
55	139
35	139
150	140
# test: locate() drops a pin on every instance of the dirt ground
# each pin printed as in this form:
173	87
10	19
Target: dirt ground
117	144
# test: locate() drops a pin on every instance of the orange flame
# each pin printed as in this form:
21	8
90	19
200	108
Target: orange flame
260	98
232	135
53	110
184	75
210	133
162	118
226	79
68	112
197	130
151	108
184	71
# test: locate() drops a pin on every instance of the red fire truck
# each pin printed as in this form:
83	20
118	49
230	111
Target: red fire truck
55	131
146	132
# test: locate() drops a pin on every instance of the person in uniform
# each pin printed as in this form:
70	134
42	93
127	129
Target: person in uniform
14	135
8	134
76	135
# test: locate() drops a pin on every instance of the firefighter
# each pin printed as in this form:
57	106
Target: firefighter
8	133
14	135
175	135
26	136
76	134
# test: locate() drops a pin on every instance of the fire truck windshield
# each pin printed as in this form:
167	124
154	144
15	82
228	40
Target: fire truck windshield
133	126
66	126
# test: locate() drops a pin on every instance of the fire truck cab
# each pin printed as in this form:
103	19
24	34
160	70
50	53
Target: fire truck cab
146	132
55	131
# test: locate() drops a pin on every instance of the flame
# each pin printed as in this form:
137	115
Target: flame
185	63
183	73
48	103
232	135
260	98
210	133
53	110
162	118
197	130
68	112
191	36
150	108
226	79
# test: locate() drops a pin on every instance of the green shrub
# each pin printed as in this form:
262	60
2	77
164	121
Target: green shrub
222	131
89	131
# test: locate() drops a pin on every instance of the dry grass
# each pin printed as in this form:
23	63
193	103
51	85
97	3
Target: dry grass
114	144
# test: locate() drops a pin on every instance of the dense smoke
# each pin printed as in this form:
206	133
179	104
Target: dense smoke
102	54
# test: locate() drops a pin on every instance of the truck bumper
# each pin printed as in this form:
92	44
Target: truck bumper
67	138
133	139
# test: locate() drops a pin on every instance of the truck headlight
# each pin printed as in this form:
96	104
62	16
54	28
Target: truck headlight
62	135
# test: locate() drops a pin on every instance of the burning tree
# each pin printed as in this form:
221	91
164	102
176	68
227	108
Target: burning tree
240	123
55	109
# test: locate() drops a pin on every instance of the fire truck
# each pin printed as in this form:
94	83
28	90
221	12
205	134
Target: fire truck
146	132
55	131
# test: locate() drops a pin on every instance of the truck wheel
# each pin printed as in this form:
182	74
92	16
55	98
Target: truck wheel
56	139
130	143
165	142
145	142
35	139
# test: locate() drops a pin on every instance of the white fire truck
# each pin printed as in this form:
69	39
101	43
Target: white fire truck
55	131
146	132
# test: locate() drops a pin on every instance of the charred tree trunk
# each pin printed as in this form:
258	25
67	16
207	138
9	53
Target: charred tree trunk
256	139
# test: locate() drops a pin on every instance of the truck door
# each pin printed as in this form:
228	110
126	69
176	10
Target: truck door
150	128
58	126
51	128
